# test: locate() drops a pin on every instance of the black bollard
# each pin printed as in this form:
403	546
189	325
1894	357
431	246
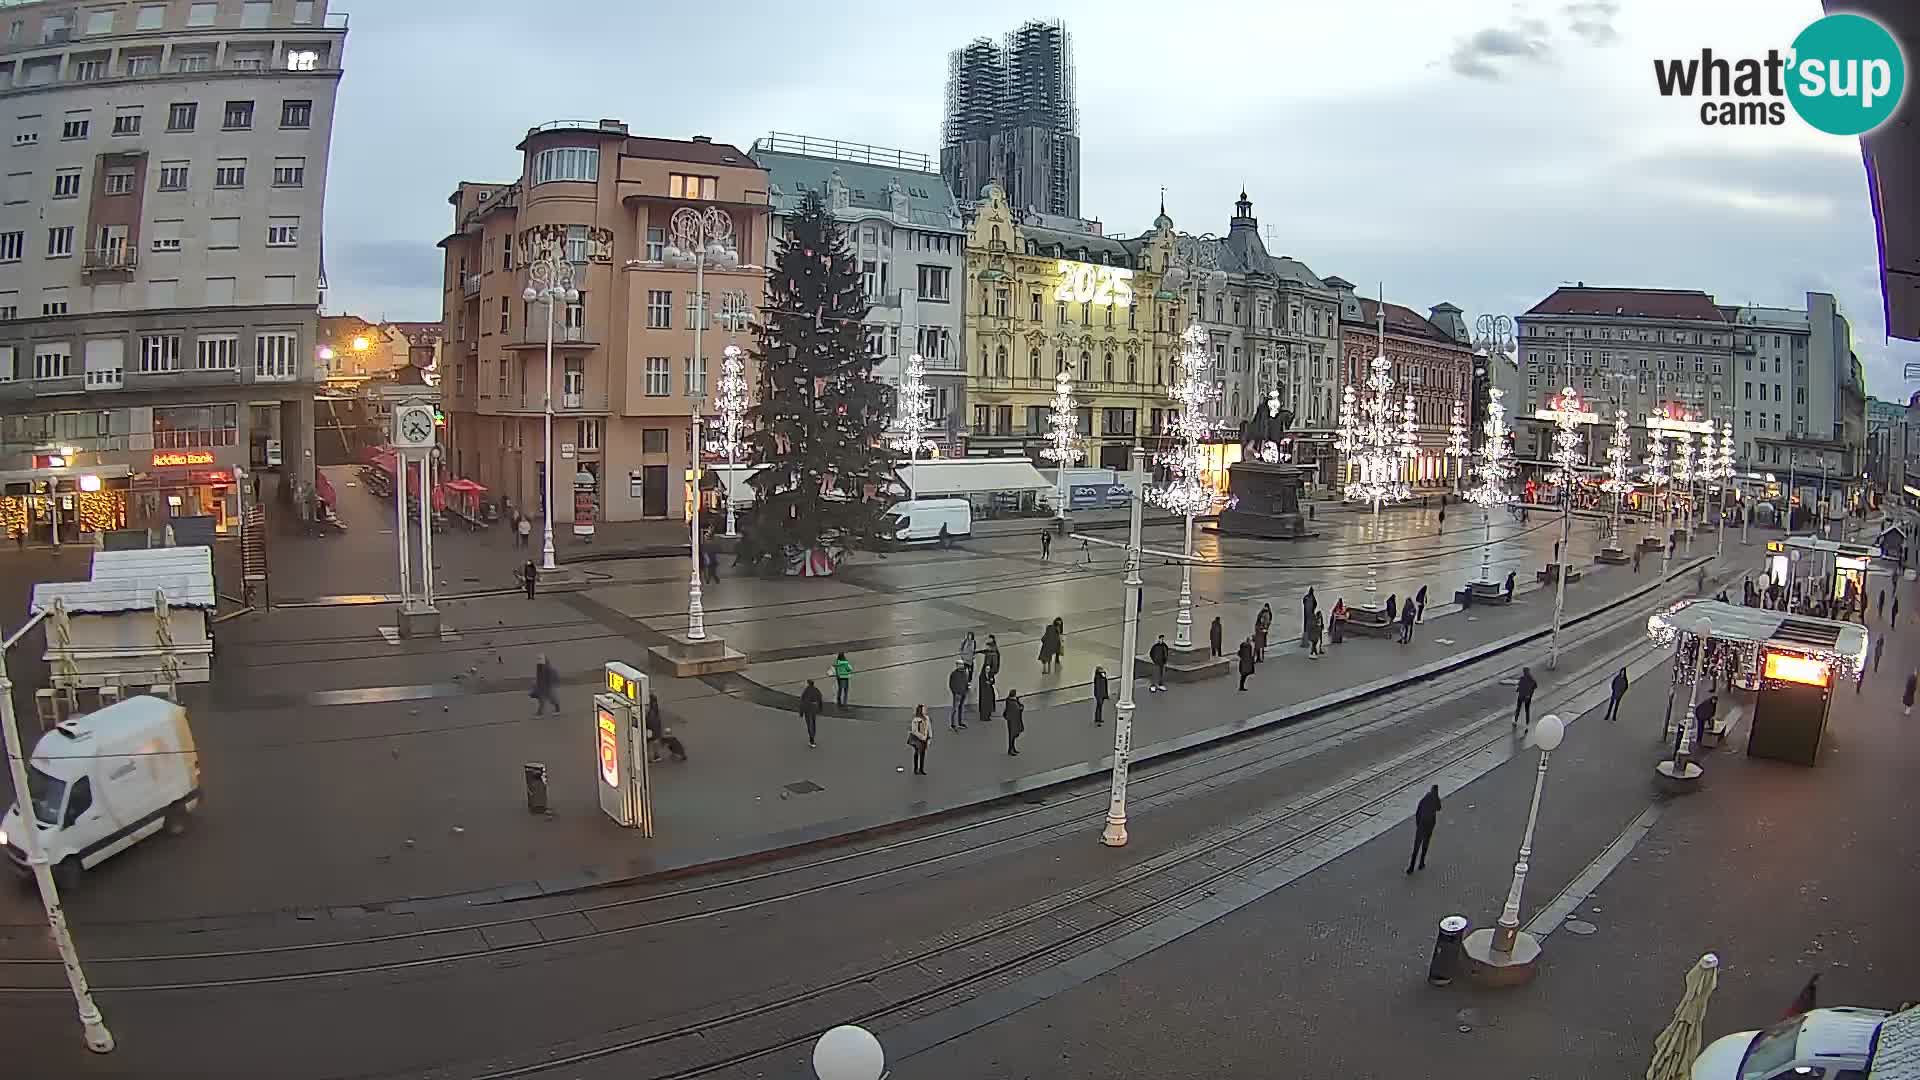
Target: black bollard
536	775
1446	950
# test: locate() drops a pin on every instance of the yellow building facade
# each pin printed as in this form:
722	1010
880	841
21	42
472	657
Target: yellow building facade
1047	294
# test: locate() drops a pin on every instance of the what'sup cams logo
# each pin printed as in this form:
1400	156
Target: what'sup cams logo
1844	75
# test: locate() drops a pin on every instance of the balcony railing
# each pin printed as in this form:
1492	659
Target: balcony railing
111	258
470	285
887	299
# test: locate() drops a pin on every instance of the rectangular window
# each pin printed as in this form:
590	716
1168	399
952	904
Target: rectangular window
13	246
223	232
255	14
576	163
659	309
74	127
9	364
273	357
577	244
659	380
934	283
181	115
66	184
160	352
118	182
296	114
696	378
586	434
506	250
656	243
53	300
216	352
9	305
60	242
126	122
682	186
230	173
53	361
302	11
151	17
283	232
173	176
89	70
653	440
505	315
138	66
187	63
106	364
237	116
302	60
292	172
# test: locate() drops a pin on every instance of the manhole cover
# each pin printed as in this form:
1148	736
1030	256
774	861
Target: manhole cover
1581	927
804	787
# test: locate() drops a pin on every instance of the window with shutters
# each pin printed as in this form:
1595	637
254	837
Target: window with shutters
216	352
53	361
182	115
159	352
173	176
273	357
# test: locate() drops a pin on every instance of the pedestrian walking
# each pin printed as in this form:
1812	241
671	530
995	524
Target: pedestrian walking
545	679
1420	605
1443	520
1894	619
1316	636
1100	694
990	657
1049	648
958	684
1406	623
1337	622
1215	633
1700	582
1906	696
919	735
842	677
1618	691
1703	714
987	693
1086	552
524	530
1879	646
1262	626
1425	817
1246	662
1046	546
946	537
1059	640
1523	698
1637	551
1158	654
1509	586
811	702
1016	711
530	577
1308	605
968	650
656	729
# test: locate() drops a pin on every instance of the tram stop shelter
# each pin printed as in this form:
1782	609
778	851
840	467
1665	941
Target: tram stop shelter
1791	663
1830	567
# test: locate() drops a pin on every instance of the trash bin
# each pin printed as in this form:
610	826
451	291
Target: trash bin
536	774
1446	950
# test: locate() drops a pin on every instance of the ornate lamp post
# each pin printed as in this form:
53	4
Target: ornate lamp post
1568	455
1723	471
732	403
549	282
700	238
1374	436
1496	471
1657	478
1679	772
1683	476
1457	444
912	409
1187	493
1063	438
1507	952
1619	481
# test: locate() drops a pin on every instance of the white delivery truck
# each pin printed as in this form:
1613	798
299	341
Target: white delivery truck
923	518
106	781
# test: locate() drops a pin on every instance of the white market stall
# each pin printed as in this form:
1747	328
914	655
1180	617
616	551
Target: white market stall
143	619
997	487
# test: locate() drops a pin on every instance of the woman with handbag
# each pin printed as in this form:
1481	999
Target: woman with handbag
919	734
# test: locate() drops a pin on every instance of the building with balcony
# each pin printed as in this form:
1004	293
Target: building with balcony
160	259
1432	364
904	227
624	379
1048	294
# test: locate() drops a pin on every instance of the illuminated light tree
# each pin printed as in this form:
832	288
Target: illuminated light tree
1495	472
1187	492
1619	481
912	413
1063	438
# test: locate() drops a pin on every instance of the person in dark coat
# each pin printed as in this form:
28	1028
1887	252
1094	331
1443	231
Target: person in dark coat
545	679
1407	615
986	693
1509	586
1158	654
1308	605
656	730
1246	663
530	578
1880	605
811	702
1420	605
1049	649
990	656
1425	817
1523	697
1100	694
1703	719
1262	626
1637	552
1215	634
1046	546
1879	646
1618	691
1906	696
958	685
1393	608
1317	636
1016	713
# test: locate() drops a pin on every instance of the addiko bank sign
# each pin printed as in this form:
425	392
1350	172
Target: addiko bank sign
181	459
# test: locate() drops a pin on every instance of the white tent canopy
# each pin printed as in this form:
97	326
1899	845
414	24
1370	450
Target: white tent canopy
953	477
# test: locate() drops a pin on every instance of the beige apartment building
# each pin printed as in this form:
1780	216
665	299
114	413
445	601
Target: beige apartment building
625	377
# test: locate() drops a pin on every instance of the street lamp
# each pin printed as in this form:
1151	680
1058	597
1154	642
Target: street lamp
1377	435
549	281
1496	471
1679	771
849	1052
1188	492
1063	438
700	238
1568	415
1683	474
1618	482
912	410
1724	472
731	400
1657	478
1504	945
1457	444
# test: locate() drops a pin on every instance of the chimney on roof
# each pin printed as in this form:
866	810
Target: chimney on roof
612	125
703	138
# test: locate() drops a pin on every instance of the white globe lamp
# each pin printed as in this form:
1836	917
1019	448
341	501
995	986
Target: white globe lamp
849	1052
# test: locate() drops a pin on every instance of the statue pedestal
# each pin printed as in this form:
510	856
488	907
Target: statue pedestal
1263	500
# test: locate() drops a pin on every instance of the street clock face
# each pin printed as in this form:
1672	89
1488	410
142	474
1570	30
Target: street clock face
413	425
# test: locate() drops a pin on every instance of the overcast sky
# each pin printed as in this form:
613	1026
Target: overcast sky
1477	151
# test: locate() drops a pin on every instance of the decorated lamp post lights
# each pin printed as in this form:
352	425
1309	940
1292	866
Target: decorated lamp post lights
1619	483
1063	440
1568	414
1457	445
1657	478
549	281
1496	473
700	238
732	402
1679	772
913	409
1378	437
1683	478
1187	492
1723	470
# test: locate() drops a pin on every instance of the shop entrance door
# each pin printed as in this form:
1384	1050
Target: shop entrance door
653	491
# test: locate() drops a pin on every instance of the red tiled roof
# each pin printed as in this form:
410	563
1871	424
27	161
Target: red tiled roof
1403	321
420	332
1690	304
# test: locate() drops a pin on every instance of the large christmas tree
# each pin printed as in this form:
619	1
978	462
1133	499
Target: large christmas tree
821	413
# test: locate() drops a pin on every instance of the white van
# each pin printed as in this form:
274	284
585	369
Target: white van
105	781
925	516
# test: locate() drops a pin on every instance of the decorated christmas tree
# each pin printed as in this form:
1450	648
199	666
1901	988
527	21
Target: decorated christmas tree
821	412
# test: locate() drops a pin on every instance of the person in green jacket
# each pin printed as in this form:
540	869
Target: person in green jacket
842	675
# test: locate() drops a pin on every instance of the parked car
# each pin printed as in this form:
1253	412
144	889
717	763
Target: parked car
1823	1044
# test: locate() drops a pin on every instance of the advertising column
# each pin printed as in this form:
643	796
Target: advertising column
620	749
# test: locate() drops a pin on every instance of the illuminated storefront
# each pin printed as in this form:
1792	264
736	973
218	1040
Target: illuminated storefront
67	498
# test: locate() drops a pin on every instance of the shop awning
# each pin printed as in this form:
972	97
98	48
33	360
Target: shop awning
24	476
465	487
953	477
1842	644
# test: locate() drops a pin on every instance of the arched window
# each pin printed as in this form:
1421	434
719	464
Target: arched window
1033	364
1133	370
1108	357
1236	404
1086	367
983	358
1059	361
996	234
1000	362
